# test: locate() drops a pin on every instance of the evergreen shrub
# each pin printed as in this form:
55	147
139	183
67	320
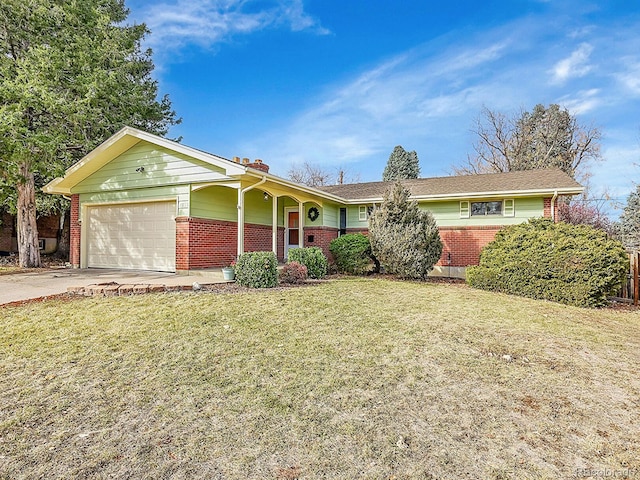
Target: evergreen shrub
404	238
352	253
257	270
572	264
312	258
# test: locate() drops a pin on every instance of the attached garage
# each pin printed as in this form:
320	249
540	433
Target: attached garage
137	236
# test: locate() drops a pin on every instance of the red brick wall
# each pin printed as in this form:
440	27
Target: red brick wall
74	246
48	226
280	254
547	208
257	238
464	244
322	236
6	232
202	243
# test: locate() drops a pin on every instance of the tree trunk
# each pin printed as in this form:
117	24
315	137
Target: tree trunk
64	235
28	248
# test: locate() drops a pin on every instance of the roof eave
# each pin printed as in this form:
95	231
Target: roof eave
465	195
297	186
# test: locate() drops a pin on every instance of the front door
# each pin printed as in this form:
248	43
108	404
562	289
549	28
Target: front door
292	233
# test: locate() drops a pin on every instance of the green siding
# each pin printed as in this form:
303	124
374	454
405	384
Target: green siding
330	215
353	217
447	214
161	167
257	211
180	193
215	203
318	221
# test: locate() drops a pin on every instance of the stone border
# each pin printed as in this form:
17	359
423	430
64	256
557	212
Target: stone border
113	289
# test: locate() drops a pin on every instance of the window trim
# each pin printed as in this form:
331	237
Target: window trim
465	209
508	208
362	213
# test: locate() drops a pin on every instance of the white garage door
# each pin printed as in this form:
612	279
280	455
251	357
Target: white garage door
140	236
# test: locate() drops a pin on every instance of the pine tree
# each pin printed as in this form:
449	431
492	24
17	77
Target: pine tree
72	74
629	228
404	238
401	165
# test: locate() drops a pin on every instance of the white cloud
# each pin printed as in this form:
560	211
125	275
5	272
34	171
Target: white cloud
582	102
576	65
401	99
630	77
209	22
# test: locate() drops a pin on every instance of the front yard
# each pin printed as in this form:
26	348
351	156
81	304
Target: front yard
352	378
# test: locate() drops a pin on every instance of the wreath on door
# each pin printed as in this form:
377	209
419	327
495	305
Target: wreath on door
313	214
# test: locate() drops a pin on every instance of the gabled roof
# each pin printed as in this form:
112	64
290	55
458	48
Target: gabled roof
521	183
119	143
524	183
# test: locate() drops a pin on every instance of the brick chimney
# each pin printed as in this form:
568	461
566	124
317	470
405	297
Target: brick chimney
258	165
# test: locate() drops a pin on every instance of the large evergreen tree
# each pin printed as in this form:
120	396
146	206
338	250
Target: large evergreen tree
629	227
401	165
73	72
404	238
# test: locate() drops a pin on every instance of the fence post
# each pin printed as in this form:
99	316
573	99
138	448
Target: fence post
636	286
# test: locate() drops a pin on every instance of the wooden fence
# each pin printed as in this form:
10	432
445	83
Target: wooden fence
630	292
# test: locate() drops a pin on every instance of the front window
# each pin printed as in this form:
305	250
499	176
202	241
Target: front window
486	208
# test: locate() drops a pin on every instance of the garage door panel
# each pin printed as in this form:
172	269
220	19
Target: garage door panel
136	236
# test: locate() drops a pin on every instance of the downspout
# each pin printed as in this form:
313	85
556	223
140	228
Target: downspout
553	206
241	214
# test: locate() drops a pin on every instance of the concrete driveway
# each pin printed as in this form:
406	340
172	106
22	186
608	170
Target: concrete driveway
25	286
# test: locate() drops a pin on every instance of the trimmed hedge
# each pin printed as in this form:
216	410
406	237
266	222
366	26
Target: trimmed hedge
257	270
293	273
312	258
352	253
572	264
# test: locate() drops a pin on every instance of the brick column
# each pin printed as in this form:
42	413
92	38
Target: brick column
74	227
547	208
182	243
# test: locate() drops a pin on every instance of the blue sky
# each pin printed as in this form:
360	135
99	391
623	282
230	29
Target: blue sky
340	83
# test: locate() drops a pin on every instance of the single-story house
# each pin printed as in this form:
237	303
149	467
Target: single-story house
139	201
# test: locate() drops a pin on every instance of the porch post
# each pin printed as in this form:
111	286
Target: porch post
300	224
240	222
274	224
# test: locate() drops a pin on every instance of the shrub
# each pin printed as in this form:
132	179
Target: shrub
257	270
293	272
573	264
312	258
352	253
404	238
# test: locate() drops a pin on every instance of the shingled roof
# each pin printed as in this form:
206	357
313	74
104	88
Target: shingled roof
511	183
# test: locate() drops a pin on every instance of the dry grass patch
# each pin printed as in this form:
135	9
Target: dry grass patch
355	378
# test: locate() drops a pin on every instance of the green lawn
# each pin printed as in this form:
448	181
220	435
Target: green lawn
351	378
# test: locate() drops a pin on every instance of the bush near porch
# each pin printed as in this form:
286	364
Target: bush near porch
312	258
257	270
